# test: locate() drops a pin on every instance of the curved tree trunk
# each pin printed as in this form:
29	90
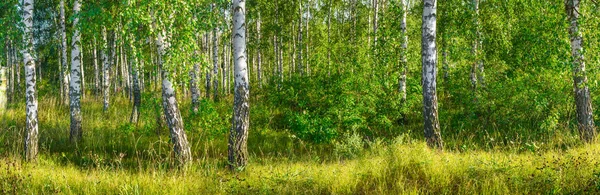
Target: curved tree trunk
181	146
585	117
75	84
31	110
238	137
429	60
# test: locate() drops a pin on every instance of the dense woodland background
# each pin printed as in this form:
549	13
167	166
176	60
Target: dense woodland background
326	96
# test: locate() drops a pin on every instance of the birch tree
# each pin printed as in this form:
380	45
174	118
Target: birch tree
403	51
258	54
31	108
215	61
105	70
63	42
181	146
477	64
429	61
238	154
137	97
583	100
75	84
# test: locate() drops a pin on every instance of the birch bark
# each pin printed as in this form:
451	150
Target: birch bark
429	60
238	154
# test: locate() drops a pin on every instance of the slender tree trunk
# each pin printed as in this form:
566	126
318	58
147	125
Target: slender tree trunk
76	78
583	99
223	67
3	89
105	70
65	64
11	65
208	72
238	137
82	69
300	45
215	65
137	98
18	68
429	60
258	54
375	23
329	39
194	87
171	109
404	51
31	111
308	38
14	66
96	72
114	60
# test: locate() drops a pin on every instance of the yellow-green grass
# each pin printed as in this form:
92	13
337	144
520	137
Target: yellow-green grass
397	168
115	158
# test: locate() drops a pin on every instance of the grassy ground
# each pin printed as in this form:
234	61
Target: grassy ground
119	158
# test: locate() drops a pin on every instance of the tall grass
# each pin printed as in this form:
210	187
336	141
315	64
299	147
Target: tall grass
116	157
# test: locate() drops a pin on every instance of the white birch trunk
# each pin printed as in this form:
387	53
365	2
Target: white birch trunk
583	99
404	51
429	60
105	70
65	64
181	145
258	53
137	98
31	110
75	84
238	154
96	71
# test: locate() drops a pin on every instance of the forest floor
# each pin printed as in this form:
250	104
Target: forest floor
119	158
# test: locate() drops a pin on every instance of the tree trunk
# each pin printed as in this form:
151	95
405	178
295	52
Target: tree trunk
329	39
308	38
375	22
208	72
215	62
194	87
429	60
137	98
96	72
238	154
82	69
224	68
404	51
258	54
65	65
583	100
31	111
75	84
3	89
477	76
300	45
181	146
105	70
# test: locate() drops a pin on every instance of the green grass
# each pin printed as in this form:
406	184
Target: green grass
119	158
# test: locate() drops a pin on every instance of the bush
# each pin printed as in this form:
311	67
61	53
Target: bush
349	147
